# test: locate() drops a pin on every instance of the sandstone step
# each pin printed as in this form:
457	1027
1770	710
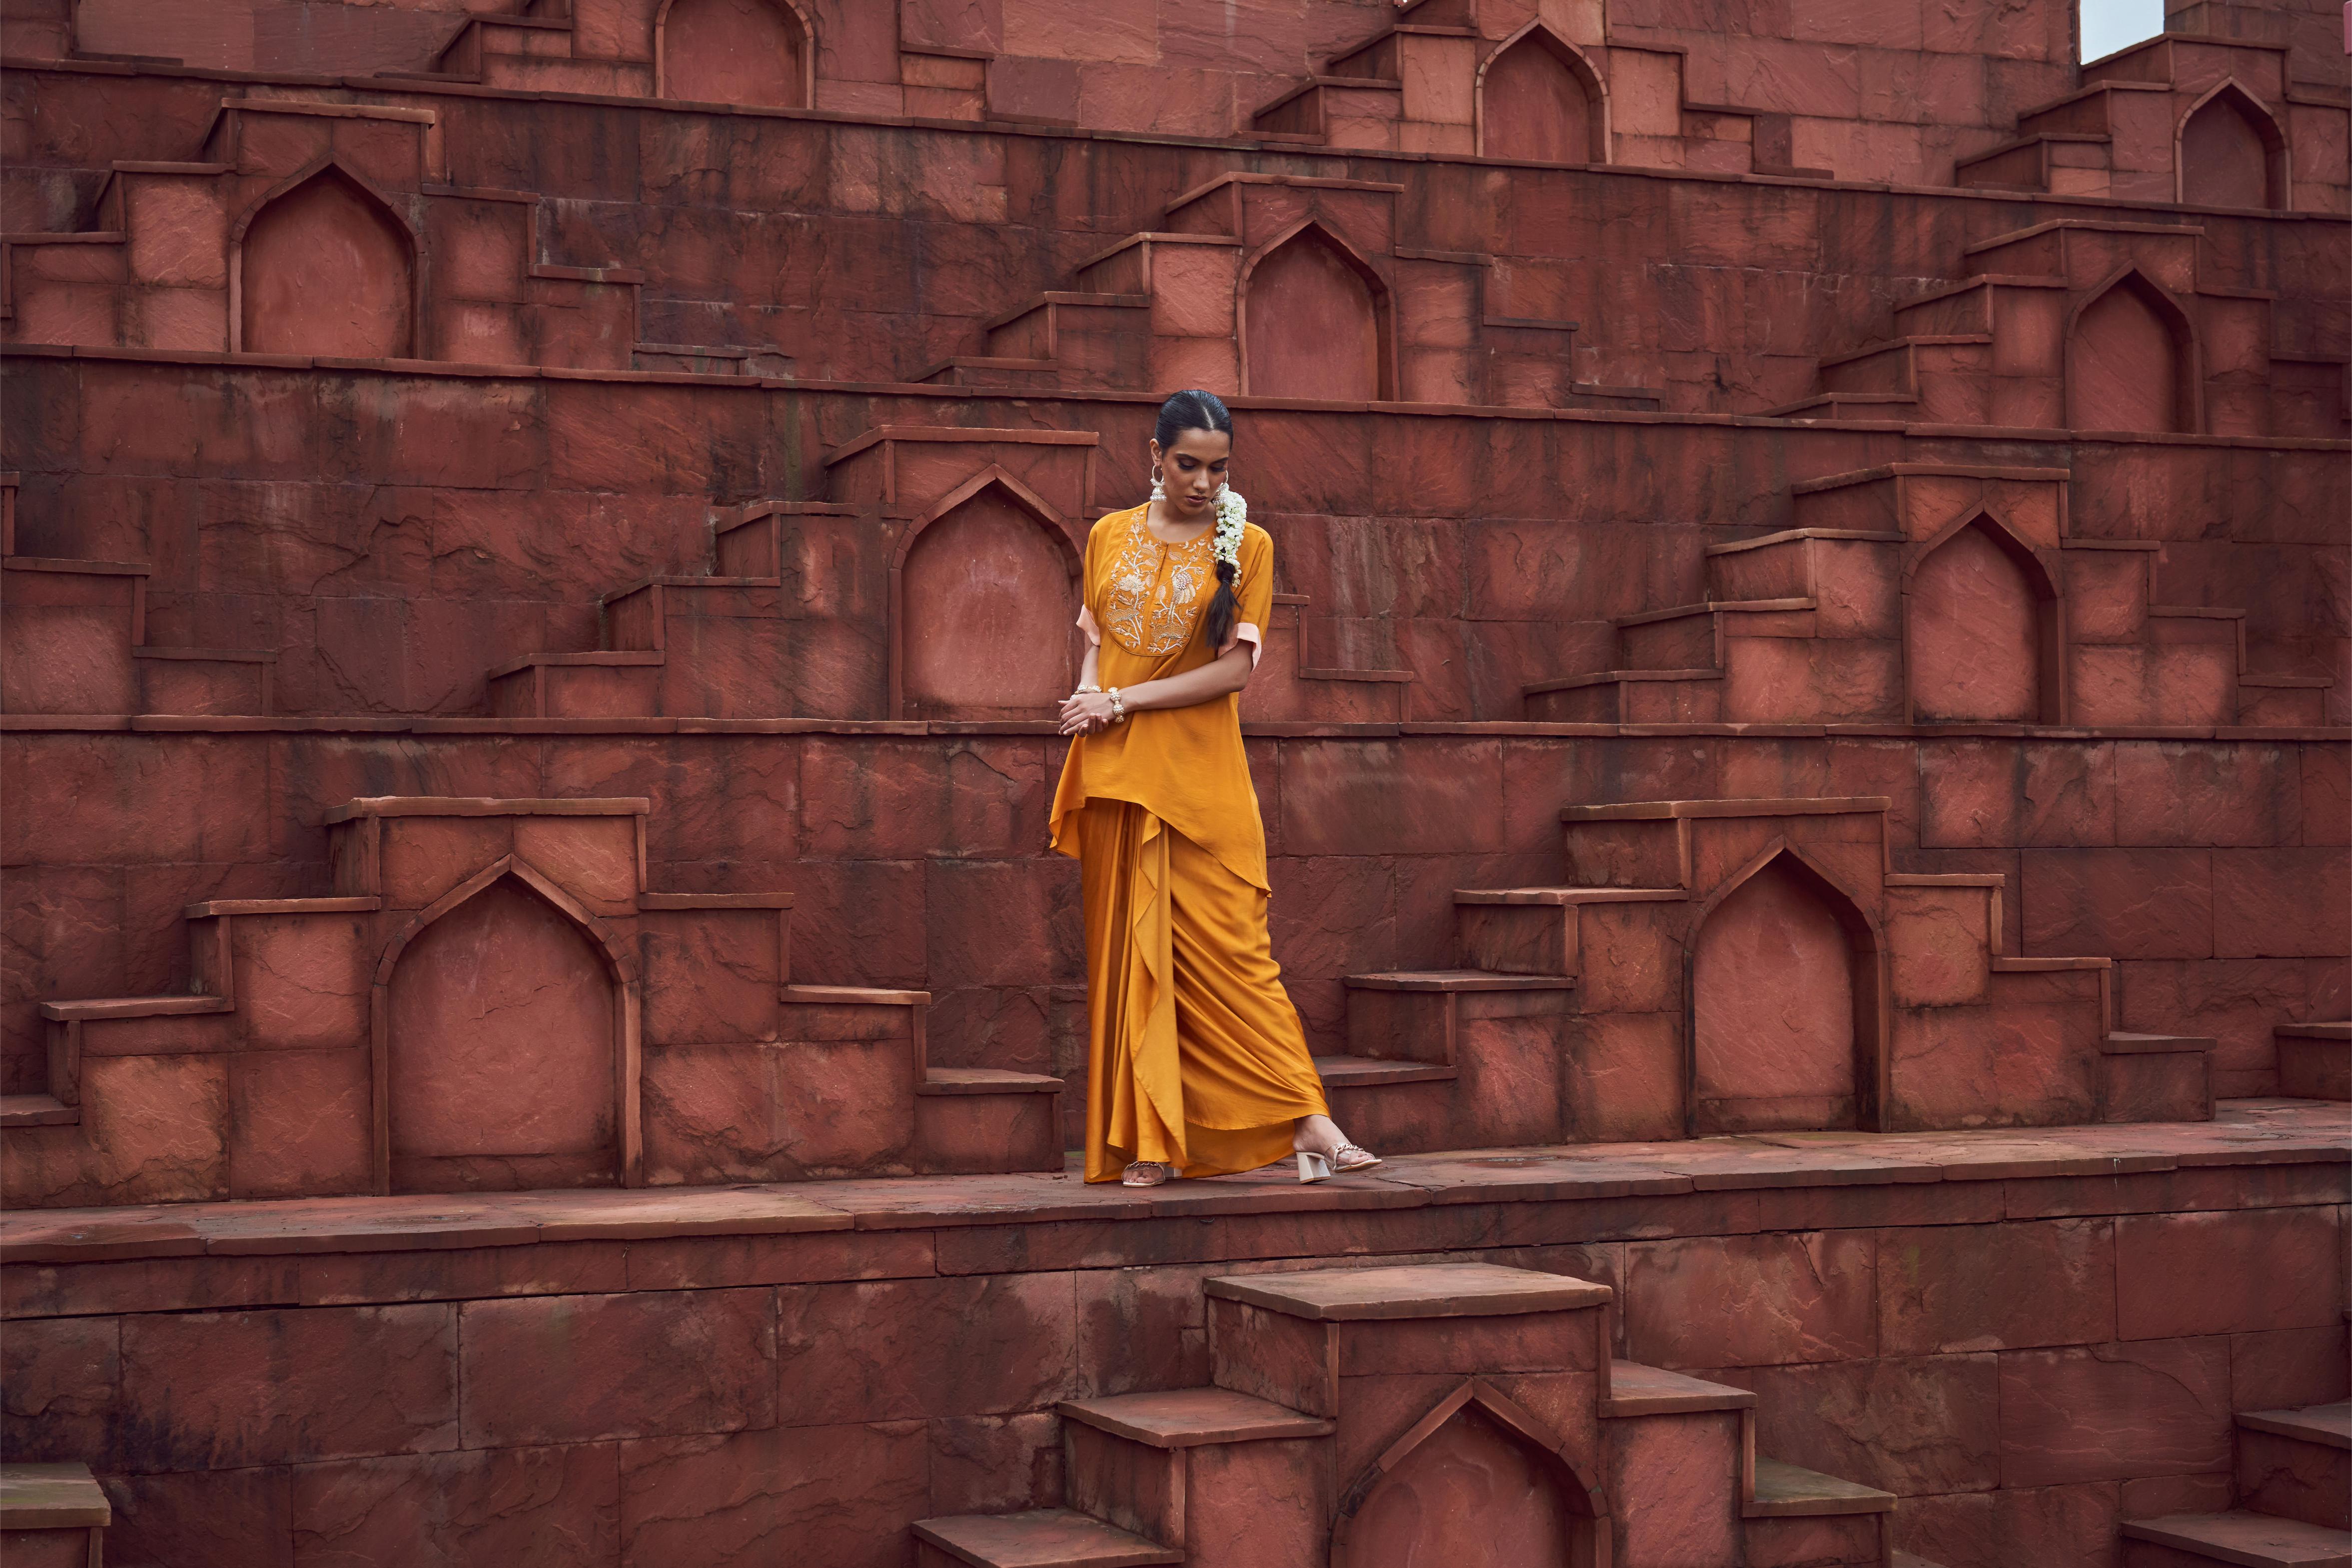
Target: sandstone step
1847	406
1638	1390
1628	697
2315	1059
2028	163
1035	1537
1676	1454
2244	1539
1784	1491
1189	1466
1456	981
1409	1290
1482	1039
986	1080
2155	1078
52	1516
1372	1072
1190	1417
36	1111
1800	1519
2297	1464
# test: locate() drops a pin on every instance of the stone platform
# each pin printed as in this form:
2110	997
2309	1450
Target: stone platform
2022	1337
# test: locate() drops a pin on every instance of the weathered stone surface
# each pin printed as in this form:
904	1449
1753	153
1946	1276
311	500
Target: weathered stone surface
1996	1287
1749	1301
571	1369
218	1391
2153	1407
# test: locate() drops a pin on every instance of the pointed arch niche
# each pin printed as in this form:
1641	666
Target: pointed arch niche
324	266
984	593
505	1044
1540	98
755	52
1983	629
2131	360
1784	1003
1477	1483
1316	321
2231	153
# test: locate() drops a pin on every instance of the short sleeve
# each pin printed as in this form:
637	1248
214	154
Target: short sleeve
1256	592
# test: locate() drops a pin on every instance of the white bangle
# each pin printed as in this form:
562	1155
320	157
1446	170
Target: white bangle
1118	706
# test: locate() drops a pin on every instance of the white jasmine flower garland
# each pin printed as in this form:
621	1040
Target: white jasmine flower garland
1232	512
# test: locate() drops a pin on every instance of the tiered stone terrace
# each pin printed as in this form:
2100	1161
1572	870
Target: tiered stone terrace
1804	748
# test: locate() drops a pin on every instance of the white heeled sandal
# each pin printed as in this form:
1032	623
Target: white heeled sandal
1345	1160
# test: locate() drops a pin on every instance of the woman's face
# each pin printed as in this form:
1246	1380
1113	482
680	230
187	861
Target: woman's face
1191	468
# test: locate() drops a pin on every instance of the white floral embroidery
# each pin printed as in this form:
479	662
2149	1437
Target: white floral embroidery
1155	588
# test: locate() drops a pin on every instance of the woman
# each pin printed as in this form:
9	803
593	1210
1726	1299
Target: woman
1197	1062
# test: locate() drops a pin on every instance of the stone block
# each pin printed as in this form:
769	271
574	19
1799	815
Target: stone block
297	1123
1624	1078
1946	1290
1751	1300
840	1494
2189	1274
223	1390
1911	1426
552	1505
60	1380
2153	1407
982	1345
711	975
569	1369
243	1515
1673	1482
2122	903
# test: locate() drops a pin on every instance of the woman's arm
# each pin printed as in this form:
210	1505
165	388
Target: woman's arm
1089	710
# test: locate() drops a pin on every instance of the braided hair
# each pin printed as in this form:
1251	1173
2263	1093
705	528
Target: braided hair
1194	409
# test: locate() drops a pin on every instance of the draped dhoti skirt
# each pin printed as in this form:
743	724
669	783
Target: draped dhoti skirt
1195	1054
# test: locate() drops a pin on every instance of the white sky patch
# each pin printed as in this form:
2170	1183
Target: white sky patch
2112	25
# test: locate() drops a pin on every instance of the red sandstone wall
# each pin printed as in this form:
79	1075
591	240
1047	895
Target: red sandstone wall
482	516
2216	873
2022	1361
1881	92
869	253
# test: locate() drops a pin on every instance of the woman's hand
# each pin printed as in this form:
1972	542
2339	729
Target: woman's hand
1086	712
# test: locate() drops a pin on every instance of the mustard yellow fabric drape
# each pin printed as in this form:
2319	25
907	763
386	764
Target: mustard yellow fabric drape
1196	1056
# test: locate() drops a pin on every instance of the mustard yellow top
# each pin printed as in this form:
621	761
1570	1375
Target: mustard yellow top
1145	605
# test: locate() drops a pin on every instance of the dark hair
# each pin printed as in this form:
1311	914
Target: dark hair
1193	409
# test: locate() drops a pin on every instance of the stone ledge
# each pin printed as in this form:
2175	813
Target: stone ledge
2244	1133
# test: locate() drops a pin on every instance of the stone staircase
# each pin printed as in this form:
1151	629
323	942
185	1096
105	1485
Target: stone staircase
1579	1012
1169	305
425	269
2294	1485
1425	82
1925	594
764	632
73	639
1423	1412
2169	118
643	1038
2078	324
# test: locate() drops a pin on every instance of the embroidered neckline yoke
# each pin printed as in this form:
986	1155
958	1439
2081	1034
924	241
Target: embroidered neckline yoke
1155	589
